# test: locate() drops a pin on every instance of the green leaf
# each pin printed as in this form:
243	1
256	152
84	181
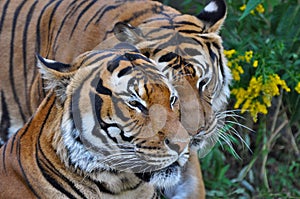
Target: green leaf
250	6
222	172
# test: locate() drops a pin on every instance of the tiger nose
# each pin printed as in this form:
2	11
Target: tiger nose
177	145
172	146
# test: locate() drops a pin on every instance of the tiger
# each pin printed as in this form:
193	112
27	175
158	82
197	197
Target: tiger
187	49
108	128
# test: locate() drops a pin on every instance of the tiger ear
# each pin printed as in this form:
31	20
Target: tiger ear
56	74
127	33
213	15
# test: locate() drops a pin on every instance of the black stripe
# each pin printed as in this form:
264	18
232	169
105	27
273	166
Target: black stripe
126	138
72	4
5	121
100	88
168	57
204	37
51	18
25	32
4	14
18	148
114	64
174	41
103	10
212	55
125	71
221	65
98	106
38	26
13	142
136	15
48	165
51	180
135	56
93	54
74	9
11	62
187	23
103	188
197	42
192	52
106	9
155	196
75	114
155	20
70	13
190	31
55	184
18	155
3	156
80	16
216	45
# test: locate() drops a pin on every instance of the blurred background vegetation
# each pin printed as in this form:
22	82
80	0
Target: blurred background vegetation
261	40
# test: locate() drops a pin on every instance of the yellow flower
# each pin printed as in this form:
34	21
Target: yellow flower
240	94
229	64
243	7
229	53
258	96
297	88
255	64
260	8
267	100
248	55
235	75
280	82
240	69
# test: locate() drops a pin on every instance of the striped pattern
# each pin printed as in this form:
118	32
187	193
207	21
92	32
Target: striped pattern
187	50
56	29
49	180
95	142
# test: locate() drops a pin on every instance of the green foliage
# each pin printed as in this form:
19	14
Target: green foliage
251	5
271	30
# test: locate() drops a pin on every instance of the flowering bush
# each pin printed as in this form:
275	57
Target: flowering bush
257	97
261	40
267	74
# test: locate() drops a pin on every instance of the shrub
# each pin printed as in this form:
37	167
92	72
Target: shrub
262	39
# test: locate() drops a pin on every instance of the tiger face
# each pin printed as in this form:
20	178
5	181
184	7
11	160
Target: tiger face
188	50
119	114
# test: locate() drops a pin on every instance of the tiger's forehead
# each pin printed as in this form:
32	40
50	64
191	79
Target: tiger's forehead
139	79
121	71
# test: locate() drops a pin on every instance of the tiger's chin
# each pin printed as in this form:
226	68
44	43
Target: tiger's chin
164	178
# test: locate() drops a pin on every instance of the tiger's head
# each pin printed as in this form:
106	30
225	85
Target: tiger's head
189	51
119	114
